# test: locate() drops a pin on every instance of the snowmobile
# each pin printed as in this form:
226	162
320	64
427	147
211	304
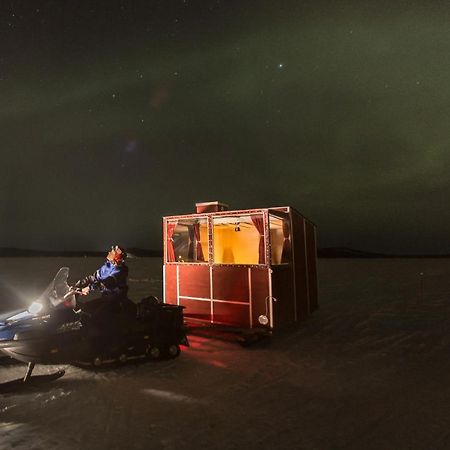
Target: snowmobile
55	329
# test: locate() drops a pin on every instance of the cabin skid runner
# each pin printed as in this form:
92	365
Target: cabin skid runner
252	271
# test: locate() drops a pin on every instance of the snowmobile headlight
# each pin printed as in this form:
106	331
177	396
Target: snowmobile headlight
35	308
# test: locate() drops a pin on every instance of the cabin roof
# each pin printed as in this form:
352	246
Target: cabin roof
237	212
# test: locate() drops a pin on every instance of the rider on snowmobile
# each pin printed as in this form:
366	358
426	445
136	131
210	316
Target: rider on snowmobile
110	279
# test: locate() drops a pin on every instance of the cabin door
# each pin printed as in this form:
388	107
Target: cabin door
283	289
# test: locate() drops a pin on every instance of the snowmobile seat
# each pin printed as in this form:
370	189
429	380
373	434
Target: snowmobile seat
146	306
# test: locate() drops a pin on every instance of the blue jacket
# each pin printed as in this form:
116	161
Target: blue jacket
110	279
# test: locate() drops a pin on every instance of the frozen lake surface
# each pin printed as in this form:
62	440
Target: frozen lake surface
369	370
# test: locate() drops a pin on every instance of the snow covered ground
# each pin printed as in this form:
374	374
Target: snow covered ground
369	370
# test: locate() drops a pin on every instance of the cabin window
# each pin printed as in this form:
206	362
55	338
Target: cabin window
239	239
187	240
280	240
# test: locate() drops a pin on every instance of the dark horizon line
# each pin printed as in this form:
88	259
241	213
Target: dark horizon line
326	252
345	252
14	251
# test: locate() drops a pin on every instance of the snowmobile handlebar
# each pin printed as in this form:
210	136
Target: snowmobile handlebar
72	291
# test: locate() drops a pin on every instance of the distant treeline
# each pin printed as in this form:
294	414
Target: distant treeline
333	252
338	252
19	252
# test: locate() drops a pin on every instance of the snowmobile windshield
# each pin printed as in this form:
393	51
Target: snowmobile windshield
58	291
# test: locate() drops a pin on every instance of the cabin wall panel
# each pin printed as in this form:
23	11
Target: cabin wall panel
311	253
196	309
300	268
194	281
260	293
170	284
283	291
230	283
231	314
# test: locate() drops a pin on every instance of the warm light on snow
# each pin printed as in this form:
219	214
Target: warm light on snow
167	395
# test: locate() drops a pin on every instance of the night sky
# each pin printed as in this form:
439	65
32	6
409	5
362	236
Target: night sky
116	113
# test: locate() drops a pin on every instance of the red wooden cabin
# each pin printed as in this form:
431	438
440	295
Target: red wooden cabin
252	269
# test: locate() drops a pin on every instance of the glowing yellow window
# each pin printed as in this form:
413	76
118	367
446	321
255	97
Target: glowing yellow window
239	239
